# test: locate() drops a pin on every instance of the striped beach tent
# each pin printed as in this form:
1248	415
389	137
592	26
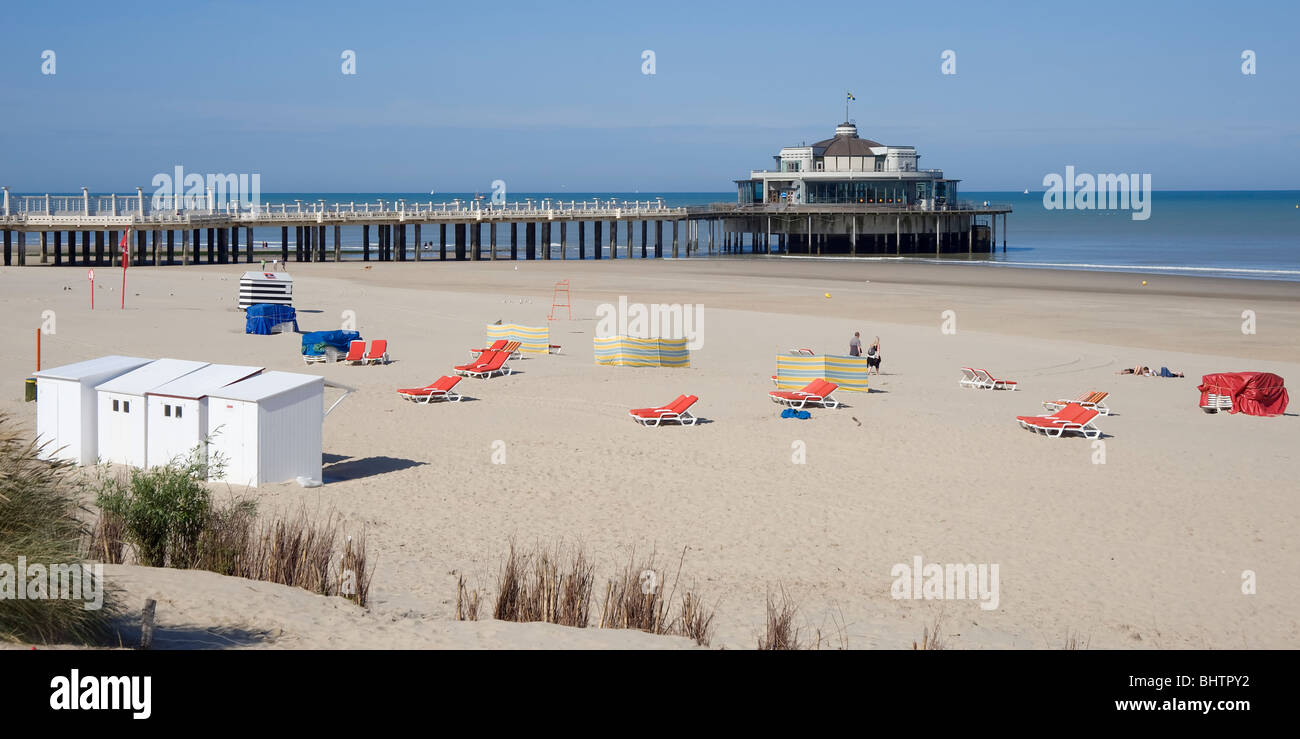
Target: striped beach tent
629	352
532	339
794	371
273	288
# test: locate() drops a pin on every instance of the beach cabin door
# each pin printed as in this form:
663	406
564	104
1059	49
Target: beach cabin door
233	442
48	420
120	419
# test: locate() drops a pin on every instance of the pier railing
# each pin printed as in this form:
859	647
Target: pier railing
962	206
87	208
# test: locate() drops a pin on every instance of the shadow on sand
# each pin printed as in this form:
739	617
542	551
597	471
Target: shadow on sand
369	466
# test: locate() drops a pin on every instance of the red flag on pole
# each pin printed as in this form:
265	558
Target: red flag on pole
126	262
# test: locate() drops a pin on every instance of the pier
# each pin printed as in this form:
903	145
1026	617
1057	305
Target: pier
85	230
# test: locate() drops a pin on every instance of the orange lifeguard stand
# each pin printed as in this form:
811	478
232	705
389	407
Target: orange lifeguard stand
561	287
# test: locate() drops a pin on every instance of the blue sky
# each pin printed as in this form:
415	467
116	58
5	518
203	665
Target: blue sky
550	96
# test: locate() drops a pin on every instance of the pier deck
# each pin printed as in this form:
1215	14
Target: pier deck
717	228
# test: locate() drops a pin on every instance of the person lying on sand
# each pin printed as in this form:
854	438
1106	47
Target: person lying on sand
1148	372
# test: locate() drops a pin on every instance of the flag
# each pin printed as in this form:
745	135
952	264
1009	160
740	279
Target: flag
126	249
850	96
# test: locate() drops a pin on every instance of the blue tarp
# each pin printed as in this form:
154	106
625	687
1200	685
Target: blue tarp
262	317
315	342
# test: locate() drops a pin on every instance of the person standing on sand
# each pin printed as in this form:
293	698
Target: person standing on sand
855	345
873	356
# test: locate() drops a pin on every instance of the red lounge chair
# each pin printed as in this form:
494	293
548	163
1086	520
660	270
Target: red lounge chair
440	390
1094	400
675	411
987	380
497	346
356	352
489	364
817	392
378	353
1073	417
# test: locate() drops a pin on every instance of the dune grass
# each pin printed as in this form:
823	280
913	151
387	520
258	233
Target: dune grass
40	521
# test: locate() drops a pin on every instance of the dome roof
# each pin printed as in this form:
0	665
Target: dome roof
846	143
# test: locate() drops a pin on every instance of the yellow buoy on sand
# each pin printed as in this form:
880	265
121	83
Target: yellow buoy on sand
828	295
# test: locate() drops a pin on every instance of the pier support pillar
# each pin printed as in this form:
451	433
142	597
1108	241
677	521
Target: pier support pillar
248	237
564	240
659	239
442	242
297	243
365	243
645	230
596	246
460	242
234	245
492	241
419	245
85	247
582	240
475	241
45	247
72	248
674	238
613	239
320	243
9	248
530	239
58	248
171	246
99	248
514	241
22	248
546	241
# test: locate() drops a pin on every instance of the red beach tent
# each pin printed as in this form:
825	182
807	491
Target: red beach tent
1252	393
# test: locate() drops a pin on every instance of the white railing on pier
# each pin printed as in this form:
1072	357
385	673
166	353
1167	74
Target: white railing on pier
171	209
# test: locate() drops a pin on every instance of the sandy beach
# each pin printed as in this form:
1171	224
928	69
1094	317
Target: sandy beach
1145	550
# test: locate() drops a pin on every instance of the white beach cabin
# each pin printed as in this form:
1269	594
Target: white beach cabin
265	287
67	409
123	424
267	428
177	412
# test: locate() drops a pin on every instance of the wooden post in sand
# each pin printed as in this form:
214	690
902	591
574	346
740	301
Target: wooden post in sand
146	624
